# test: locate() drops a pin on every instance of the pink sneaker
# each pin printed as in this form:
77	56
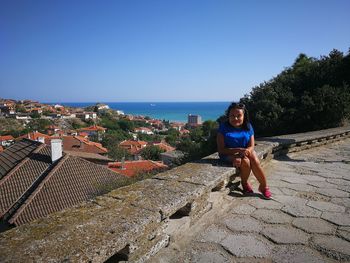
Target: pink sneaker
265	192
247	189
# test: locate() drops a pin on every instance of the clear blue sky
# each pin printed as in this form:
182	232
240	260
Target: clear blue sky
166	50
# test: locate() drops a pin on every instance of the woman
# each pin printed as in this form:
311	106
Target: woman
235	141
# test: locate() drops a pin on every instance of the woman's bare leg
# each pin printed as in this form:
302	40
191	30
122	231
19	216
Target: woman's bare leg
245	170
257	169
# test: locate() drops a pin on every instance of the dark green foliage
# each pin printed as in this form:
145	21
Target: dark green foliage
312	94
172	136
39	125
149	137
117	153
126	125
151	152
191	149
35	115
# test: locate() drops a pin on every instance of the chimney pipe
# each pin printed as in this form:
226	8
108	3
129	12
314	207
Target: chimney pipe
123	164
56	149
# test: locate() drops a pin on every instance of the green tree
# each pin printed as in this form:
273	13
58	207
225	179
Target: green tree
39	125
151	152
311	94
117	153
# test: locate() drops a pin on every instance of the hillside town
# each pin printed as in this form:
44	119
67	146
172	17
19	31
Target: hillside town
45	148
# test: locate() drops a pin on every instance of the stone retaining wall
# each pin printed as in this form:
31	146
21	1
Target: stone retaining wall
128	223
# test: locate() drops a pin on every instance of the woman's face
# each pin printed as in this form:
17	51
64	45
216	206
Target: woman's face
236	117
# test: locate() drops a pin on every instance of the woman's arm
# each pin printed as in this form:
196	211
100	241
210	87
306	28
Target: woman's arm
227	151
250	147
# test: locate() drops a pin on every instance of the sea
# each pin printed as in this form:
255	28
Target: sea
171	111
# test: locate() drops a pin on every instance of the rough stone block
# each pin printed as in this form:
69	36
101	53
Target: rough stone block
208	172
340	219
334	247
272	216
90	232
214	233
296	254
332	192
242	223
314	225
326	206
242	245
285	235
243	209
163	196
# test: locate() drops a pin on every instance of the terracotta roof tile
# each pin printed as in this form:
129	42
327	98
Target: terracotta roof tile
74	180
15	154
15	183
47	187
6	138
132	168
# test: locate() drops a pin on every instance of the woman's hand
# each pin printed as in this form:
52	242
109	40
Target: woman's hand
247	152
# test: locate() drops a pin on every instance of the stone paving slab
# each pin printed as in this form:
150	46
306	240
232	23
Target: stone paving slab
340	219
334	247
243	209
314	225
297	254
242	223
246	245
272	216
332	192
281	234
326	206
204	253
301	210
322	184
341	201
266	204
343	234
214	233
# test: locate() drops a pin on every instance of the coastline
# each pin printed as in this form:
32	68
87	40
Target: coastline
172	111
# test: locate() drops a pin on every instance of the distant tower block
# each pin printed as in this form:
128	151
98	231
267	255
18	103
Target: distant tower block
194	120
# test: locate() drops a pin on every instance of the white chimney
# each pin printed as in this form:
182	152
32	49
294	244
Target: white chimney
41	139
123	164
56	149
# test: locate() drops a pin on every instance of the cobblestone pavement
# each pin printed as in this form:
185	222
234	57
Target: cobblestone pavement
308	219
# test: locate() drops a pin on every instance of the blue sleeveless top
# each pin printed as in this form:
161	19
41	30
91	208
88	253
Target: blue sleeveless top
235	137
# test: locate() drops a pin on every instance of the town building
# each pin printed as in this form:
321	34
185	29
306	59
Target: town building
194	120
133	147
6	140
144	130
172	158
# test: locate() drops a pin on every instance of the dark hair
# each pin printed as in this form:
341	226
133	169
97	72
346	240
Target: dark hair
240	106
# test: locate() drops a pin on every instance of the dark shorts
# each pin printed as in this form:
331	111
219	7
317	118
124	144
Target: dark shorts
228	158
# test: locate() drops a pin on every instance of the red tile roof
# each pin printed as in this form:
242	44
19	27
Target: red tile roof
16	182
35	186
133	147
6	138
34	136
93	128
78	143
164	146
132	168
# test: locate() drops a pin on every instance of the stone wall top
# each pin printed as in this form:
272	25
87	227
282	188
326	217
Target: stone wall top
128	222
